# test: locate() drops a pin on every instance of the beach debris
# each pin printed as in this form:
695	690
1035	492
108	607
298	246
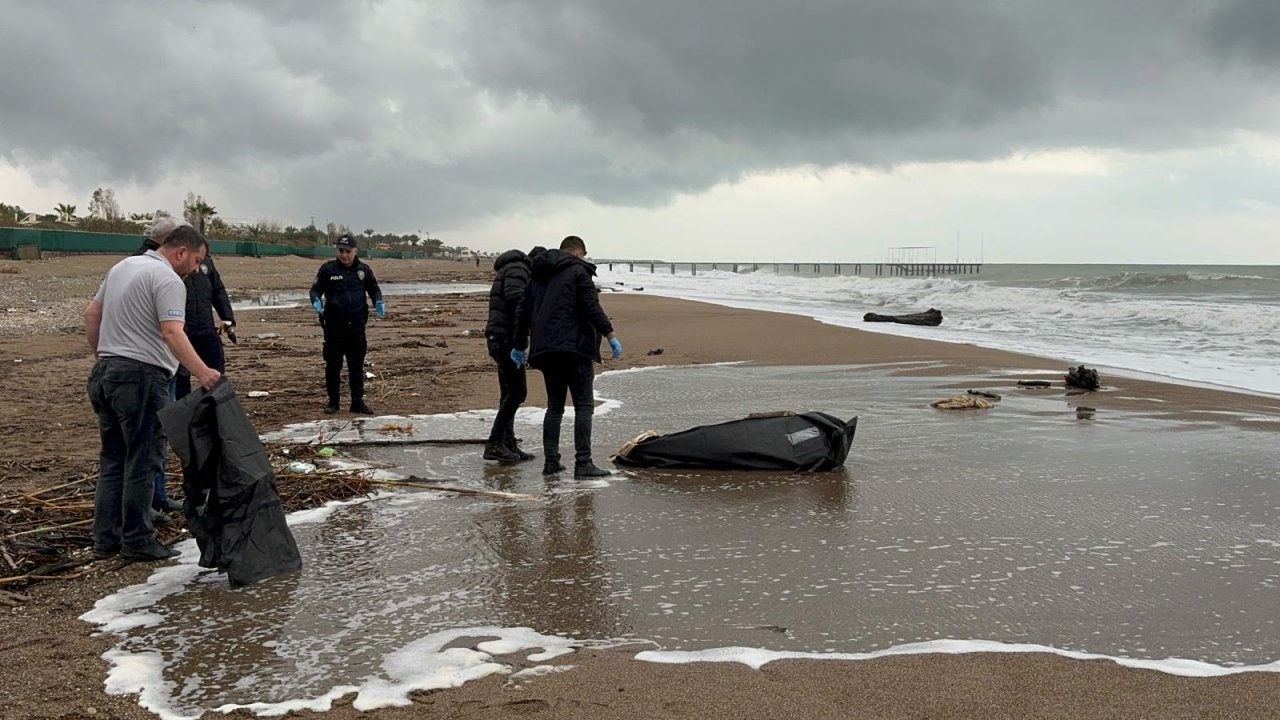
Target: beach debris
931	317
442	344
655	351
962	402
259	393
324	451
405	428
472	332
267	336
1034	383
1083	378
1084	412
301	467
985	394
45	535
421	483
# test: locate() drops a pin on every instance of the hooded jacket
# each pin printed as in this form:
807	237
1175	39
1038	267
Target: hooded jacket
561	310
509	282
233	509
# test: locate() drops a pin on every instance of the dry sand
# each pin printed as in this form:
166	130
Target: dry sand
51	664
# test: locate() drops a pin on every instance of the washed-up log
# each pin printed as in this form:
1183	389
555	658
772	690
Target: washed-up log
931	317
1034	383
986	394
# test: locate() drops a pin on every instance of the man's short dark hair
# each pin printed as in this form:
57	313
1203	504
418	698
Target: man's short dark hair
187	237
573	242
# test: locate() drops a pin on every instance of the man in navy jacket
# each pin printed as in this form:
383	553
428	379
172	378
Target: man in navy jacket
338	296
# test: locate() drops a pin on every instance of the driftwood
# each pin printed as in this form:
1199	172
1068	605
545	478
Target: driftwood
428	484
931	317
986	394
404	441
1034	383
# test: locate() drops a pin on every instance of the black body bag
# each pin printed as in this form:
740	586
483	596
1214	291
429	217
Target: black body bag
805	442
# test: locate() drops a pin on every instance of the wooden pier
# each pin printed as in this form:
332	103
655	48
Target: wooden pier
880	269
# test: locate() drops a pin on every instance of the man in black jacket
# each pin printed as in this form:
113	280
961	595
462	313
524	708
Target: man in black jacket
337	296
509	282
562	311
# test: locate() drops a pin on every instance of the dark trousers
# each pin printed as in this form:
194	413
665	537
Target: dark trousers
512	390
209	347
126	395
566	372
344	339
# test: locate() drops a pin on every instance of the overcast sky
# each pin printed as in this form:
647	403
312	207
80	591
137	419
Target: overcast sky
809	130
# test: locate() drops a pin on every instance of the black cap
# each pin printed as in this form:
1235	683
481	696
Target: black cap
345	240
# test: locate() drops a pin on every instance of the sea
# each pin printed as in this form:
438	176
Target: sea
1213	325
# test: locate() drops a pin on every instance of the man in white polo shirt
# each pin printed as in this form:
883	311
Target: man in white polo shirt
135	326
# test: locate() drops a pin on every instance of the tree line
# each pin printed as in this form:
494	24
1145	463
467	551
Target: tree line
105	215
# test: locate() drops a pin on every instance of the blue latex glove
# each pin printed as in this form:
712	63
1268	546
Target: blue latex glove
382	309
617	347
517	357
316	304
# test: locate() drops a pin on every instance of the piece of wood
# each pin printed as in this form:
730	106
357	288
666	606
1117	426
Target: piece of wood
931	317
427	484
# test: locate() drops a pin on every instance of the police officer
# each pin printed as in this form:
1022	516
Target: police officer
338	297
205	295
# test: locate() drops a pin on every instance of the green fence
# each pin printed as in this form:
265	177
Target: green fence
17	243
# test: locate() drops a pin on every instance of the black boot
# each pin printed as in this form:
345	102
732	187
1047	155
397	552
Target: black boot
552	466
588	469
332	407
494	450
513	445
358	407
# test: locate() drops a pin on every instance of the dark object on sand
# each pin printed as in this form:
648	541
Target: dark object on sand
1082	377
655	351
779	441
232	507
1034	383
986	394
931	317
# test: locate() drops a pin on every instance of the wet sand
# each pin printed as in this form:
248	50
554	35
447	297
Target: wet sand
65	675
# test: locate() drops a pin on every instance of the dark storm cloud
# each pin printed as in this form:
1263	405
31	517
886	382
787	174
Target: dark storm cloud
384	113
1246	29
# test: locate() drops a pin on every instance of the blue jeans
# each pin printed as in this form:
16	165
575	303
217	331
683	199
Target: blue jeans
126	395
159	497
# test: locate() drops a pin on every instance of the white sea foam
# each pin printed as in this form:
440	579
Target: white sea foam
758	658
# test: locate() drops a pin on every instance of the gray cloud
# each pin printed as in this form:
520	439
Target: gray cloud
399	114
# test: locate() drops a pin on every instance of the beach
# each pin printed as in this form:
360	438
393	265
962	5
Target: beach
429	358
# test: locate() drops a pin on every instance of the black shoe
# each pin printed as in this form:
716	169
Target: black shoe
498	451
154	551
105	553
513	445
331	408
589	469
169	505
360	408
551	467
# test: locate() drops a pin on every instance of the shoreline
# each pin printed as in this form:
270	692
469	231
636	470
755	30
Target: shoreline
66	673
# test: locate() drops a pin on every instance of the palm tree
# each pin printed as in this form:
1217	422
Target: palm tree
197	211
66	212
